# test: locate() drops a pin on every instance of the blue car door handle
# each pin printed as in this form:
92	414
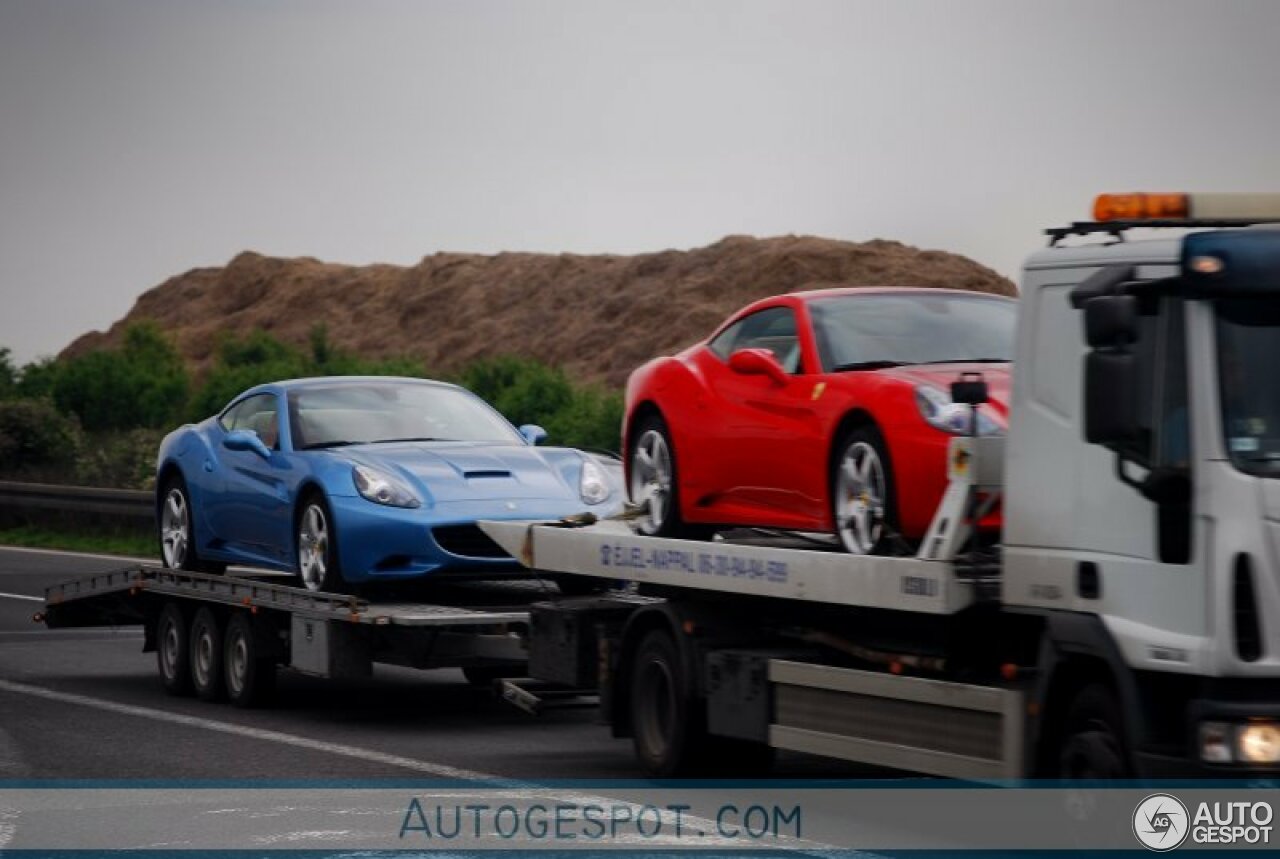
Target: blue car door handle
208	465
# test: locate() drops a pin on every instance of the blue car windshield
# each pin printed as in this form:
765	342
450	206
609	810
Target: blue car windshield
864	331
363	412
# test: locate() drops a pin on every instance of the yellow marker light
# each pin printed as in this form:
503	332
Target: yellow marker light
818	389
1259	743
1140	207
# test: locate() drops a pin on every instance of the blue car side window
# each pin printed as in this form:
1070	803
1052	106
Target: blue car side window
258	413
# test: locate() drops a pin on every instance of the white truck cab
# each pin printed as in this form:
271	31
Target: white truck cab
1142	495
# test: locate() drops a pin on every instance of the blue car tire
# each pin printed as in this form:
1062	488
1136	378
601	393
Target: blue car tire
177	531
317	546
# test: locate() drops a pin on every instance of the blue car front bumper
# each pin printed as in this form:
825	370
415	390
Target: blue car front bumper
377	542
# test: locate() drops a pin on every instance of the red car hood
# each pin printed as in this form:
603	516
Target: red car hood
940	376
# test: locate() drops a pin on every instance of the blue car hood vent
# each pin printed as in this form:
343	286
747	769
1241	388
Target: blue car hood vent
475	472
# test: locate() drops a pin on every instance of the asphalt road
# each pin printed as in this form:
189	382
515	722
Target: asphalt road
87	704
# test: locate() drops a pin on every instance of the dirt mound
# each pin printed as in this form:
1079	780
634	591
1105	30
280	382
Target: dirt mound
598	317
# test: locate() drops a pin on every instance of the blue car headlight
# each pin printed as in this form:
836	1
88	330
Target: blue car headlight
381	488
940	413
593	486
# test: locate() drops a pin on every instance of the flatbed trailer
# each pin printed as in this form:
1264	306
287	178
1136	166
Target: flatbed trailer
218	635
741	649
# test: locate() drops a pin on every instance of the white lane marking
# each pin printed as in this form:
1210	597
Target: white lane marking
367	755
518	787
128	559
21	597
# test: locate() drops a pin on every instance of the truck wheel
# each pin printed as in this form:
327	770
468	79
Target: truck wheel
177	530
250	675
665	731
172	651
206	656
863	502
654	483
1093	745
317	548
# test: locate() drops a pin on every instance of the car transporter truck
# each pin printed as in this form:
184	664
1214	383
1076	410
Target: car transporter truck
1127	623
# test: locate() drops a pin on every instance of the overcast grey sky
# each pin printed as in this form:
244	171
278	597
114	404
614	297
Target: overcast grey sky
140	139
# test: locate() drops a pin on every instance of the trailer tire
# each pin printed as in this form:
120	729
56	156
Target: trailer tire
172	650
249	674
206	656
666	728
1093	742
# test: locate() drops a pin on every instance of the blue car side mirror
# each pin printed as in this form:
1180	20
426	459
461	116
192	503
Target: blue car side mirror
243	439
533	433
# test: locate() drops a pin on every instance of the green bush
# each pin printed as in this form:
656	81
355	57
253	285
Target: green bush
123	459
36	379
141	384
258	358
8	374
34	435
529	392
127	398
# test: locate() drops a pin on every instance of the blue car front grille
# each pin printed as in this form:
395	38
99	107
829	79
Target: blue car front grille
467	541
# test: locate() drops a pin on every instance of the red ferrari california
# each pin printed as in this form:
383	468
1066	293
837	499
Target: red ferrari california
816	411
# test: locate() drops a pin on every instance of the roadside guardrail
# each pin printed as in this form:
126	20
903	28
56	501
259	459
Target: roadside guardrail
126	503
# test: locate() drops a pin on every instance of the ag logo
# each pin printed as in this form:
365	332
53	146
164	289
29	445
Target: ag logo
1160	822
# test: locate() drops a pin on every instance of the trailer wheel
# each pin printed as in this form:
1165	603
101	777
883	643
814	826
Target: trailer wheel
663	725
206	656
1093	744
172	650
250	675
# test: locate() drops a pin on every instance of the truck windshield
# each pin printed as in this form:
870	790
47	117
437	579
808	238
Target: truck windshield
1249	352
883	330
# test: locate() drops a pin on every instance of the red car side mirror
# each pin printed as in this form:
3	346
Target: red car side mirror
758	362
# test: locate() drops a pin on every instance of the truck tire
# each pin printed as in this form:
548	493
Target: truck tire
172	651
1093	740
250	675
666	726
206	656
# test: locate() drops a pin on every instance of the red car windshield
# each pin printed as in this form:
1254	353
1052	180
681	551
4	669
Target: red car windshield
867	331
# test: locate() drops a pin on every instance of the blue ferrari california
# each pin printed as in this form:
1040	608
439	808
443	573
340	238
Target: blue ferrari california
346	480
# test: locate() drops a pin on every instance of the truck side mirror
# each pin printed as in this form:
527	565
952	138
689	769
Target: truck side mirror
1111	321
1110	370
